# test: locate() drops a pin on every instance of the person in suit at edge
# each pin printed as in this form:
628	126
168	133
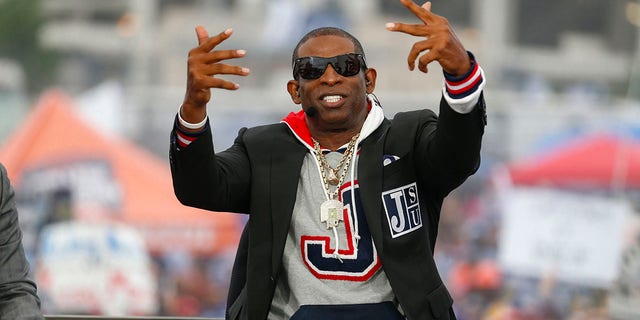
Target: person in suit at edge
18	293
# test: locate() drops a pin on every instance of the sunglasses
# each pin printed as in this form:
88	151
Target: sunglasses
346	65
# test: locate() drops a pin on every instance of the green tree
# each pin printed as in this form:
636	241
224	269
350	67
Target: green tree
20	24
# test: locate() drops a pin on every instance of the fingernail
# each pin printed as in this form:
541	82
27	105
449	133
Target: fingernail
241	52
228	31
236	86
390	25
246	70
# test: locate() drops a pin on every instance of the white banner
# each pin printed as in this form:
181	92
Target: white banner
572	237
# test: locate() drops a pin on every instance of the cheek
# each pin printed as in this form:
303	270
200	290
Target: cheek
361	96
306	101
303	93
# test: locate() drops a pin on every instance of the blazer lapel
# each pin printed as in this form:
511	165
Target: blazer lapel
286	160
370	180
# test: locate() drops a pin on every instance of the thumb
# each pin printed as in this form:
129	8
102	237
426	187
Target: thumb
202	34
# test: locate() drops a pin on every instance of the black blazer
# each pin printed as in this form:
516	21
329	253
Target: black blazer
259	175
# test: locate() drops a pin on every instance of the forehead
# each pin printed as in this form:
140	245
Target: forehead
326	46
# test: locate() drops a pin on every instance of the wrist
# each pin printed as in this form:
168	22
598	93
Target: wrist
193	123
184	136
465	70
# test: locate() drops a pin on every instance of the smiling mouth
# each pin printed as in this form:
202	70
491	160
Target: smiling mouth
331	99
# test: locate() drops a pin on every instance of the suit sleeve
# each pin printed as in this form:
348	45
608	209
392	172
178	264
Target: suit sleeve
210	181
18	293
451	146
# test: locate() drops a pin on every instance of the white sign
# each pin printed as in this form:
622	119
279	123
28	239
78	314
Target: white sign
95	269
573	237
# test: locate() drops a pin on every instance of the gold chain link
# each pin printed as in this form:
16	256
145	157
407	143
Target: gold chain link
345	160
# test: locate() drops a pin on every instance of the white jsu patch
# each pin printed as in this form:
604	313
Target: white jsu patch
402	209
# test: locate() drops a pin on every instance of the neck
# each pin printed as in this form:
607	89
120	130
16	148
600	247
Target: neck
333	140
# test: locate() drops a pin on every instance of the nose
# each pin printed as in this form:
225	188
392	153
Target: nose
330	76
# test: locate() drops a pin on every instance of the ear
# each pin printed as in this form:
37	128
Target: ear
294	91
370	79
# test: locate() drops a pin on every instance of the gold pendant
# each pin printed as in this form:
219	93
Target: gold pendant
333	178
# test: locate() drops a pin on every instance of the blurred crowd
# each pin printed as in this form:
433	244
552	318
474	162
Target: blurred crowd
467	255
193	287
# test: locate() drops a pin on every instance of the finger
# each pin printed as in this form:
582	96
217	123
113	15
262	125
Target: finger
419	30
217	56
202	34
425	59
420	12
214	41
214	69
203	84
219	84
415	51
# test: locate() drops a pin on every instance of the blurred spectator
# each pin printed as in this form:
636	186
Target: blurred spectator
589	307
192	288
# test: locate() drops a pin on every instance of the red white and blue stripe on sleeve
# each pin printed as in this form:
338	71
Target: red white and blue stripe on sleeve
462	93
184	138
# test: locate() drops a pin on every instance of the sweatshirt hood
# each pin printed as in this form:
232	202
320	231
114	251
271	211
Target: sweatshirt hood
296	121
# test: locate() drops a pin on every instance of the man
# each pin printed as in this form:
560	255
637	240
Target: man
343	203
18	297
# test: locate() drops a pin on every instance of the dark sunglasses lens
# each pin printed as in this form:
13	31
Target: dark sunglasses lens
310	68
347	65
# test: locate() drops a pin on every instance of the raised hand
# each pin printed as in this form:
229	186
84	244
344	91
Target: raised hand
441	43
203	66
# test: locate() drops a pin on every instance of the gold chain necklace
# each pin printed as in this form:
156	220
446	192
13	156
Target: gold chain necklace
331	210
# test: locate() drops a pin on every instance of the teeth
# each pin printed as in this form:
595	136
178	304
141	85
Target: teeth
332	98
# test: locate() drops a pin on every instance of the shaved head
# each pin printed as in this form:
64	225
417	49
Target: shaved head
327	31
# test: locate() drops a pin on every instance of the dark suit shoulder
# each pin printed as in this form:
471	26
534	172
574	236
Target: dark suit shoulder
268	128
411	124
271	138
267	132
414	115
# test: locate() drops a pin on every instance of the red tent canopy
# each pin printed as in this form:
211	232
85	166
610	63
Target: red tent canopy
594	161
126	184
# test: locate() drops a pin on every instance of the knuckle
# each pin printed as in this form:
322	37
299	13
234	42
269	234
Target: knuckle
193	51
199	79
193	74
192	61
